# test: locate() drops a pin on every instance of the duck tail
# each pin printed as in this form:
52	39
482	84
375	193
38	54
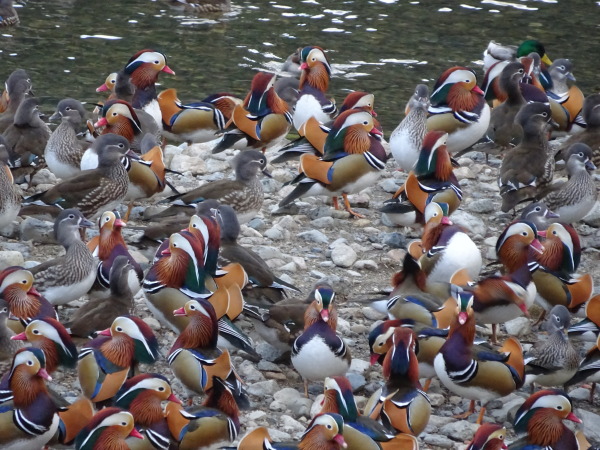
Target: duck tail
515	359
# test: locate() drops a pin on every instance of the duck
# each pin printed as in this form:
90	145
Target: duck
109	84
458	107
142	396
540	420
108	429
401	404
407	138
319	352
591	134
64	149
588	369
27	136
92	191
574	199
105	362
8	346
315	74
529	166
18	87
244	194
489	436
8	14
70	276
50	336
567	100
325	431
515	245
554	361
479	376
10	195
263	120
431	180
588	328
539	214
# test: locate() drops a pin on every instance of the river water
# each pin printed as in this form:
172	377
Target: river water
385	47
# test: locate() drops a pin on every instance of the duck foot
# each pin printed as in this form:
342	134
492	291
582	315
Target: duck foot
467	413
349	209
427	384
494	334
480	416
306	388
335	202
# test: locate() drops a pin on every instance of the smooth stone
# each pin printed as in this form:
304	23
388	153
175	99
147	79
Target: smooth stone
460	430
473	224
185	163
314	236
482	206
152	323
43	176
257	223
519	326
262	388
289	267
394	240
266	252
271	185
593	217
249	372
437	440
290	424
591	422
356	380
275	233
389	185
366	264
359	366
343	255
40	231
323	222
10	258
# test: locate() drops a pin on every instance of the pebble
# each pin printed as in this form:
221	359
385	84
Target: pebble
262	388
343	255
472	223
519	326
36	230
481	206
192	164
459	430
591	424
323	222
366	264
10	258
43	176
152	323
393	240
313	236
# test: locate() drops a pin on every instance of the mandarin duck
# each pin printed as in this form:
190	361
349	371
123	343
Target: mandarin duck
431	180
70	276
319	352
574	199
360	432
541	417
589	369
489	436
554	361
325	432
591	135
556	279
50	336
109	84
99	313
108	430
589	328
539	214
516	243
407	139
8	14
17	87
566	101
529	166
315	73
401	404
244	194
92	191
10	195
477	375
217	420
142	396
8	346
458	108
64	150
263	120
105	362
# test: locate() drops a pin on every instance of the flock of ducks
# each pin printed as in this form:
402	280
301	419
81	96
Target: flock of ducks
200	279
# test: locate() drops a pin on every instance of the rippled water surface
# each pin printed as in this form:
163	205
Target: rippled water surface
385	47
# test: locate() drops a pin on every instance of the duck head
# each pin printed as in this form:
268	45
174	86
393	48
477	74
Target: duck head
144	67
133	339
338	398
515	243
108	429
202	330
352	132
401	361
324	431
434	159
562	248
315	69
457	88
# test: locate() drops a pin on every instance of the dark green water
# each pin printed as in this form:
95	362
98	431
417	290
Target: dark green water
385	47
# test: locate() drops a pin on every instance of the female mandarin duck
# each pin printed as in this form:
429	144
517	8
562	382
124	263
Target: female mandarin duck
319	352
105	362
589	328
539	214
489	436
458	108
566	101
556	280
18	86
591	135
481	376
10	194
431	180
217	420
353	159
406	140
50	336
401	404
324	432
108	430
263	120
314	82
541	418
142	395
589	369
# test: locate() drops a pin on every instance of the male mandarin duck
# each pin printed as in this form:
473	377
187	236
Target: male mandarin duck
324	432
360	432
529	166
64	149
556	279
105	362
406	140
589	328
591	135
314	82
195	122
92	191
263	120
401	404
217	420
480	375
108	430
541	419
431	180
70	276
539	214
569	99
109	84
319	352
353	159
10	194
17	87
489	436
554	361
458	108
516	243
574	199
50	336
142	396
589	369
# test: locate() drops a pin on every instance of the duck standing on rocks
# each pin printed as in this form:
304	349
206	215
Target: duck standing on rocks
566	101
18	87
489	436
539	214
591	135
10	195
108	429
588	369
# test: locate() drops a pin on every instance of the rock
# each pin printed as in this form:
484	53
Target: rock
289	267
436	440
262	388
394	240
593	217
591	422
343	255
321	211
10	258
373	314
323	222
275	233
481	206
294	401
43	176
366	264
436	399
192	164
214	165
314	236
291	425
460	430
473	224
389	185
580	393
271	185
518	327
249	372
356	380
257	223
266	252
152	323
36	230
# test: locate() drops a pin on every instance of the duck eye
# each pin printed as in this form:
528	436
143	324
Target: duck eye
501	437
580	154
554	233
538	209
559	408
156	62
544	114
24	281
192	307
562	67
119	329
524	233
71	216
114	114
123	424
30	363
121	145
36	331
329	427
161	389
